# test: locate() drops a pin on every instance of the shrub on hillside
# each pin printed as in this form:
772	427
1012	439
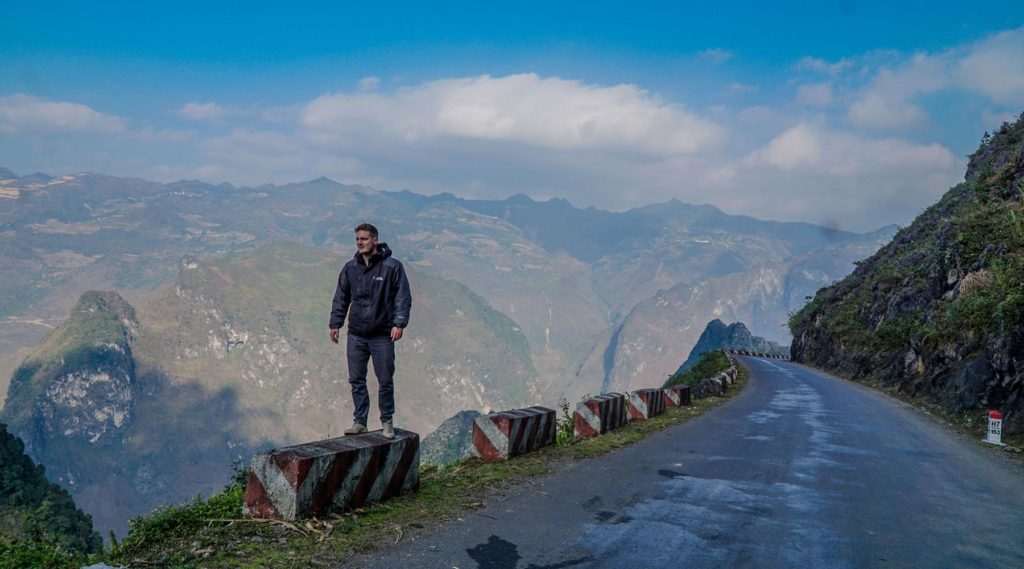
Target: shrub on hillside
709	365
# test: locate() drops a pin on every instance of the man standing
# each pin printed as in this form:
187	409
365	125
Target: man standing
374	285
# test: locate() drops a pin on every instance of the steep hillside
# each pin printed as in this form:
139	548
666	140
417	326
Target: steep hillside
79	387
939	311
231	357
33	507
735	336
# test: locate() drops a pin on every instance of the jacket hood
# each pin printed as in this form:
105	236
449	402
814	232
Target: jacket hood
383	251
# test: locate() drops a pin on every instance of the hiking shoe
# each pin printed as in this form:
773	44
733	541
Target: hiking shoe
357	428
389	429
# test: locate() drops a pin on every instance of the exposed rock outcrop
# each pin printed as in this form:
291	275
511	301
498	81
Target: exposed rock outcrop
451	442
735	336
80	385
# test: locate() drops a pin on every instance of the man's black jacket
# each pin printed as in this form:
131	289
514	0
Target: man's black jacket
378	294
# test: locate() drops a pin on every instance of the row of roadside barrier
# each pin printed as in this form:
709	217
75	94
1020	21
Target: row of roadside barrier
756	354
316	479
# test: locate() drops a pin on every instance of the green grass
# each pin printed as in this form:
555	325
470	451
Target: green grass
29	554
709	365
209	533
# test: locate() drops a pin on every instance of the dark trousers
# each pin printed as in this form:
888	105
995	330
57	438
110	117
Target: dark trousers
382	350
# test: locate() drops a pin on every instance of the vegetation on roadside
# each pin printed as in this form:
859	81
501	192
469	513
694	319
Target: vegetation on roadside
709	365
208	533
938	312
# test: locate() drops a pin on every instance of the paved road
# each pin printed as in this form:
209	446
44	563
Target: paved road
800	470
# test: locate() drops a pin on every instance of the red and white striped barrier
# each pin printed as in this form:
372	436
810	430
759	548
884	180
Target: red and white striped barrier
646	403
500	436
338	474
677	395
598	415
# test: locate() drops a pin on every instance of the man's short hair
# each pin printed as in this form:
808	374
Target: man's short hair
367	227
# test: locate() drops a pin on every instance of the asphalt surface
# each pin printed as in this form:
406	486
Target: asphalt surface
799	470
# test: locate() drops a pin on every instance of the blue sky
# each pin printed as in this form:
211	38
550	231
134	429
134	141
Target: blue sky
848	113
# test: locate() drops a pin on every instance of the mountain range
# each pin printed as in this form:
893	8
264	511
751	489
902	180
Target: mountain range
223	292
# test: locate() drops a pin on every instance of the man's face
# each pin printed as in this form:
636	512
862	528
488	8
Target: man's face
366	243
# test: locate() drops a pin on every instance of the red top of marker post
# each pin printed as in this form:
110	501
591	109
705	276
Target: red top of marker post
995	415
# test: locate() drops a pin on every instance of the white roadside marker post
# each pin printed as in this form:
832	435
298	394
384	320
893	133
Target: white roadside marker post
995	429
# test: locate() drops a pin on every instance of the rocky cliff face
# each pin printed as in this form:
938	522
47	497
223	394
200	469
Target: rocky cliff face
451	442
80	384
735	336
939	311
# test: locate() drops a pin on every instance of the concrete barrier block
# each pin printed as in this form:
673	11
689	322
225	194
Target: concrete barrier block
500	436
334	475
711	386
598	415
646	403
677	395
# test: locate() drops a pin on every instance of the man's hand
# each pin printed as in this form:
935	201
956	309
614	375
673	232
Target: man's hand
396	334
334	334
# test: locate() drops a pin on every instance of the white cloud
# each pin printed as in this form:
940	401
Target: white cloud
886	101
798	145
27	115
218	114
819	151
740	88
367	84
717	54
610	146
994	67
203	111
547	112
821	66
815	94
162	135
258	152
810	171
877	110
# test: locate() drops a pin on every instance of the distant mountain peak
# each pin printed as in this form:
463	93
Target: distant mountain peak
36	178
6	174
520	198
736	336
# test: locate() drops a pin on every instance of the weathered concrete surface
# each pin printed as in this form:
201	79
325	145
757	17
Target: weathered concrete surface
500	436
709	387
799	470
600	414
334	475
